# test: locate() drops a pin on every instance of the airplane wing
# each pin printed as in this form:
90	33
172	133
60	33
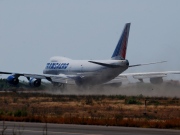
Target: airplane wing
150	74
144	75
61	78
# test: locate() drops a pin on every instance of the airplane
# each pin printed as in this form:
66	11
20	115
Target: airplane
61	70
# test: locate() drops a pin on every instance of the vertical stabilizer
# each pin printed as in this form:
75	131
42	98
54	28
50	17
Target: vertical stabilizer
120	50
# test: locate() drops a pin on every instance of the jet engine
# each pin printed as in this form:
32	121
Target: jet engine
12	80
157	80
35	82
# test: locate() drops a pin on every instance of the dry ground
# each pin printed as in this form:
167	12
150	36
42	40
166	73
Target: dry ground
116	110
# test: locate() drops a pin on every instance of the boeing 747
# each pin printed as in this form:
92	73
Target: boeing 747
62	70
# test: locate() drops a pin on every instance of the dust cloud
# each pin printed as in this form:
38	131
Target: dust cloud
165	89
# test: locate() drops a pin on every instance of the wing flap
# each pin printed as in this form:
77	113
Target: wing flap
35	76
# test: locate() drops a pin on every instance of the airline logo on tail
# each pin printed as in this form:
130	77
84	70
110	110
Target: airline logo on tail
120	50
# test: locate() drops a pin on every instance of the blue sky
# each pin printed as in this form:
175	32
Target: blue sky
32	31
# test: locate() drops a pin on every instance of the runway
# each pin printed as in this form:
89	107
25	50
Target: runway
25	128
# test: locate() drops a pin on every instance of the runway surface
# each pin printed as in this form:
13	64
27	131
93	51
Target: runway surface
24	128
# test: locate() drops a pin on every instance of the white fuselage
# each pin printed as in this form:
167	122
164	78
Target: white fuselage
90	73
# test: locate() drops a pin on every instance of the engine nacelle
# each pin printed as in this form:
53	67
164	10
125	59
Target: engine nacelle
35	82
157	80
12	80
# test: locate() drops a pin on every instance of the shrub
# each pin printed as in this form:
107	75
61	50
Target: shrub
120	97
153	102
1	112
132	100
89	101
20	113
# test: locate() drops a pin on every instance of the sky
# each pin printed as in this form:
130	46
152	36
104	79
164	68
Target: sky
32	31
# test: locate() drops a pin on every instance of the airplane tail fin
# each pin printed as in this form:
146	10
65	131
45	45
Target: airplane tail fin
120	50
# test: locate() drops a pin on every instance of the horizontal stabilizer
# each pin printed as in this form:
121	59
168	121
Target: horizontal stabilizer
105	64
147	64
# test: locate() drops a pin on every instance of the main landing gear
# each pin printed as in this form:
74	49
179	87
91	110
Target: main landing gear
59	86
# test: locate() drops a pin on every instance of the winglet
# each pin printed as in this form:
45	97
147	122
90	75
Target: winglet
120	50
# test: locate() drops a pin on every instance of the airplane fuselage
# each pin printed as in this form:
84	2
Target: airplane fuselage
90	73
